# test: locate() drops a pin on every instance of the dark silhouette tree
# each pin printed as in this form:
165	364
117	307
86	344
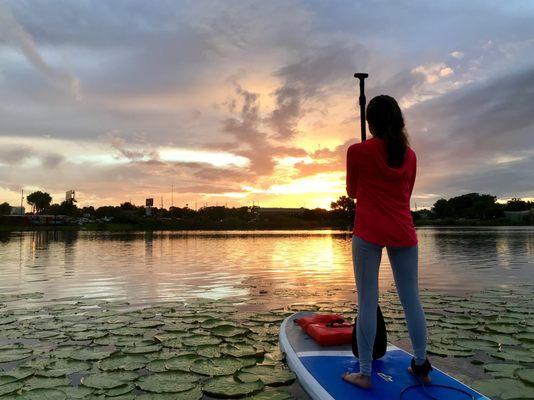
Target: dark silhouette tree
516	204
344	206
5	209
441	208
39	200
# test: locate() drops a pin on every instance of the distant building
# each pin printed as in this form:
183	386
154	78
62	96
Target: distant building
70	195
280	210
17	211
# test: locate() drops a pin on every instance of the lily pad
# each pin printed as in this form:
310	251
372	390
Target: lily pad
209	351
37	382
181	362
499	370
514	354
43	394
217	366
14	354
272	395
228	387
269	375
141	349
10	387
168	382
123	362
62	367
193	394
108	380
120	390
228	331
78	392
90	354
14	375
502	328
199	340
241	350
526	375
476	344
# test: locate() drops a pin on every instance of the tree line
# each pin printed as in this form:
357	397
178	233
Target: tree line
473	207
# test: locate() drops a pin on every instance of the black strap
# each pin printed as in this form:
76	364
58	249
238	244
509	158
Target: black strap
337	323
424	386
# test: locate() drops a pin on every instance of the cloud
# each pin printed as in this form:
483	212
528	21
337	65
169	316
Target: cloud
14	34
461	136
156	75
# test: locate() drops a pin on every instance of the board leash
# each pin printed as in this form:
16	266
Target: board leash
426	393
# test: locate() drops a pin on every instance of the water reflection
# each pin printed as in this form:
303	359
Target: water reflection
143	266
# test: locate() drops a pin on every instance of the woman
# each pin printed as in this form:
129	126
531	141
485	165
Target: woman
381	175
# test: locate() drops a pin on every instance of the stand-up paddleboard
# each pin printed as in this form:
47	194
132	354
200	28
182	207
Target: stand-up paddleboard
319	370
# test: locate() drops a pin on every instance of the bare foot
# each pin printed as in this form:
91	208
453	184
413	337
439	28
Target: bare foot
358	379
426	379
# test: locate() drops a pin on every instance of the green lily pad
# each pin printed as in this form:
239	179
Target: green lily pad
514	354
14	354
501	370
502	328
123	362
43	394
228	331
90	354
500	339
199	340
269	375
147	324
526	375
157	366
120	390
10	387
217	366
14	375
209	351
62	367
449	351
266	318
228	387
527	337
37	382
193	394
108	380
141	349
78	392
272	395
168	382
181	362
519	391
241	350
476	344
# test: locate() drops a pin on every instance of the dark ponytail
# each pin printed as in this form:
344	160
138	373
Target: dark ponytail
385	117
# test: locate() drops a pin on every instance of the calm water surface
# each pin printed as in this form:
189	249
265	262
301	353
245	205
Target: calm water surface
144	267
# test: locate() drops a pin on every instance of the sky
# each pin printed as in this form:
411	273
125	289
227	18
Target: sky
241	102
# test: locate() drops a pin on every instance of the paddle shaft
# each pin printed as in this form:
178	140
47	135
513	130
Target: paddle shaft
361	76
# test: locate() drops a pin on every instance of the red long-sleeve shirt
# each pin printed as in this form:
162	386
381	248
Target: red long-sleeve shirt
383	194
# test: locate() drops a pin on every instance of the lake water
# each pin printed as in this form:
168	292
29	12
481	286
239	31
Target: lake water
143	267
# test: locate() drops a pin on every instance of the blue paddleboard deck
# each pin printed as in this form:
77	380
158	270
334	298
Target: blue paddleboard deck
319	370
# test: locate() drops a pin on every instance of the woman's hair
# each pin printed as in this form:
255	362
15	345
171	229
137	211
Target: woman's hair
385	116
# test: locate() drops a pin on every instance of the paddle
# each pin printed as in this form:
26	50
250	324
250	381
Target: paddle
381	339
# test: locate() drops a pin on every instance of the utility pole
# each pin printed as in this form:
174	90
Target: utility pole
172	195
21	201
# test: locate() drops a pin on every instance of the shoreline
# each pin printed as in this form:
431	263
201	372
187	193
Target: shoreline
147	228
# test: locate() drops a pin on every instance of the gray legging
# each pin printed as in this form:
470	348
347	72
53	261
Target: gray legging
366	258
